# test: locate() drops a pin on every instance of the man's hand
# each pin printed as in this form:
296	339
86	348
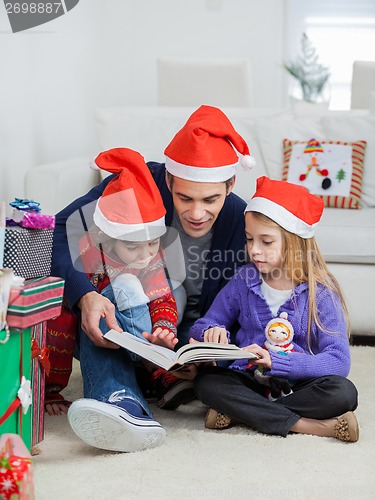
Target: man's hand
94	307
216	334
162	337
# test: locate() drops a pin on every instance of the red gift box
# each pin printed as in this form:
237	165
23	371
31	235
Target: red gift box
16	473
40	366
38	300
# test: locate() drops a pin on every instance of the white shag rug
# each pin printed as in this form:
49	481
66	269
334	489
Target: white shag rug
196	463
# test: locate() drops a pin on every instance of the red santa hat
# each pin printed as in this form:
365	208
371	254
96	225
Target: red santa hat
130	207
204	150
291	206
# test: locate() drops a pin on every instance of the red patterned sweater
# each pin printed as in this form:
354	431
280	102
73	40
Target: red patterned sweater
102	268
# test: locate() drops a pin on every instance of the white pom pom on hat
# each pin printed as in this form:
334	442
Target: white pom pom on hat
206	148
247	162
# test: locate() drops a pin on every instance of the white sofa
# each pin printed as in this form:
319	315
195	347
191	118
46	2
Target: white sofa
346	236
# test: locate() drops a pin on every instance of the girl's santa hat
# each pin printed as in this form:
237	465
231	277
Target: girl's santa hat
204	150
130	207
291	206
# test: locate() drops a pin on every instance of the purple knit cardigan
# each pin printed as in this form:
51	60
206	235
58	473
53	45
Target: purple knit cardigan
242	300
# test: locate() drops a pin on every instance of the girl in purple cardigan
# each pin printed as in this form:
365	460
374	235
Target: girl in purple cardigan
287	274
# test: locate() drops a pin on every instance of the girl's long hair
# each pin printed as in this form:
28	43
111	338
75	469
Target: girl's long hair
304	263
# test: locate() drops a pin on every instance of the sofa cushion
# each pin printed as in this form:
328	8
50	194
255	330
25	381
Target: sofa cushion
353	128
347	236
332	170
271	133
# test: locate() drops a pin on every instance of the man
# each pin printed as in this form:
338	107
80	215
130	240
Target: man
195	184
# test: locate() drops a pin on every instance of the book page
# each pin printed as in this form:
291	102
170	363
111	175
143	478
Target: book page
157	354
205	351
189	353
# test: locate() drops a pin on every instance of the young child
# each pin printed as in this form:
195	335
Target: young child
287	274
121	252
123	258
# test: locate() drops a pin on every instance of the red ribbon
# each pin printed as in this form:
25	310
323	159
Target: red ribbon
41	354
12	408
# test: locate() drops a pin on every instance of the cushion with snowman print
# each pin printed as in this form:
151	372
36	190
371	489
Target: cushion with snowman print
330	169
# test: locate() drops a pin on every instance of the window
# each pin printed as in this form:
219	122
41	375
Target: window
342	31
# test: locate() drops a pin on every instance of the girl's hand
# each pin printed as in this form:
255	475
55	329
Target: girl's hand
163	337
264	358
216	334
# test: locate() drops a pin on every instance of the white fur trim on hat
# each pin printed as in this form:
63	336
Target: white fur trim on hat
129	232
281	216
200	174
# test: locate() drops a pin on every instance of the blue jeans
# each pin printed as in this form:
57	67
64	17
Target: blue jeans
132	312
109	371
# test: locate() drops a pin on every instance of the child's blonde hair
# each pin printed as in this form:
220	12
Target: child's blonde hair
304	263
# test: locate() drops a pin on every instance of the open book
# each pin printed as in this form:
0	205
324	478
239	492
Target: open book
171	360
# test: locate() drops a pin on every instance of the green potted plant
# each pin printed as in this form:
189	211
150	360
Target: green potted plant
312	77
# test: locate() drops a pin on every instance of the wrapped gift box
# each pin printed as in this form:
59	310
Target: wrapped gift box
28	251
15	363
16	472
29	308
40	299
33	220
40	366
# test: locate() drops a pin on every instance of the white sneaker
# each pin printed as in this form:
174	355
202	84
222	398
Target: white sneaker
110	427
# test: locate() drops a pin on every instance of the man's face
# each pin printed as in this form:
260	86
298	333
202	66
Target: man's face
197	204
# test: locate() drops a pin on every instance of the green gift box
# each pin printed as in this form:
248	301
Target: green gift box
15	391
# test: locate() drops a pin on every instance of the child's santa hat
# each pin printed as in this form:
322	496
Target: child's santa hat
204	149
291	206
130	207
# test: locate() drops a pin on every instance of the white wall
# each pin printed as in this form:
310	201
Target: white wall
103	53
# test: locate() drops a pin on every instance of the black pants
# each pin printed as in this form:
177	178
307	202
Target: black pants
238	395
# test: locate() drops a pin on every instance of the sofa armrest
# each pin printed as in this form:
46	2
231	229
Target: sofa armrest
55	185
